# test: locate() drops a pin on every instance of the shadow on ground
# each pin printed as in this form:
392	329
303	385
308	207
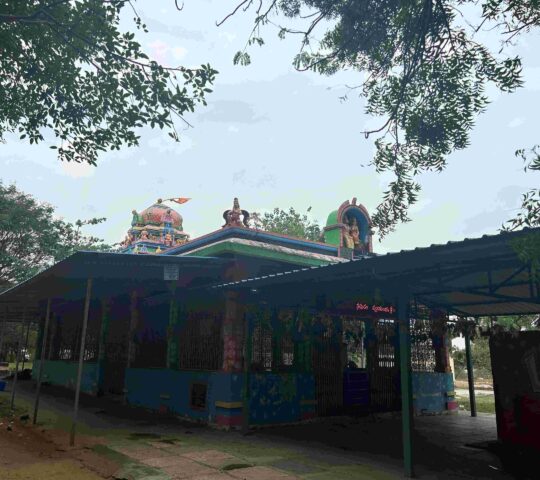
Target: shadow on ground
369	447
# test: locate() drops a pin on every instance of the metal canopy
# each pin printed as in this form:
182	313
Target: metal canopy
114	273
473	277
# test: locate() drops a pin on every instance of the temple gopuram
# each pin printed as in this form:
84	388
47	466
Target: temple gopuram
156	228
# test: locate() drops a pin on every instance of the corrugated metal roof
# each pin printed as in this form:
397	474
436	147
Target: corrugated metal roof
113	269
483	276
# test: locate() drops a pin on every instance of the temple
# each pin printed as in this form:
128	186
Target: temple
188	351
243	327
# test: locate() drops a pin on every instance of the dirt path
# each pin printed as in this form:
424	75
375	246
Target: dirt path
32	453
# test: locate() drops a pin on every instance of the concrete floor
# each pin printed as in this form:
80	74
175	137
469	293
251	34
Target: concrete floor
444	445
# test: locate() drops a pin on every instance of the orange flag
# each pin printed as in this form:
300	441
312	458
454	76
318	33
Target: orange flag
179	200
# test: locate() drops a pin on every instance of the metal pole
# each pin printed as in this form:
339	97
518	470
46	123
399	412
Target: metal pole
26	344
406	384
17	357
81	361
42	359
3	333
470	373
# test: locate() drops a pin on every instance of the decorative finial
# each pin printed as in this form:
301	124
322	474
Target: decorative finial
232	217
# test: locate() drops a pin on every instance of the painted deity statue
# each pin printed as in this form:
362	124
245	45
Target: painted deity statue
128	240
355	232
348	241
232	217
168	240
137	219
144	235
167	218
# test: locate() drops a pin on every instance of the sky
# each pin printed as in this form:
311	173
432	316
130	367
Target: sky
275	137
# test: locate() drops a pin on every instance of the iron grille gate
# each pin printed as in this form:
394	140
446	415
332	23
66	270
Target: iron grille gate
422	351
383	366
328	370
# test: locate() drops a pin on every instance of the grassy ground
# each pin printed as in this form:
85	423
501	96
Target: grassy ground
484	403
26	365
145	456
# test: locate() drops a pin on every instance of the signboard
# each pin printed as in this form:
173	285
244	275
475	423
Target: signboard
364	310
171	272
380	309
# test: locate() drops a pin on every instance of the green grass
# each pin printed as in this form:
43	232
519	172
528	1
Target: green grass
26	365
484	403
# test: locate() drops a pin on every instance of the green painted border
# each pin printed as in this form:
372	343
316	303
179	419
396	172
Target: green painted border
241	249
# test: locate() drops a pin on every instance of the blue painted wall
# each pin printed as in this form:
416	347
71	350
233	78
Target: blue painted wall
430	391
170	389
64	373
279	397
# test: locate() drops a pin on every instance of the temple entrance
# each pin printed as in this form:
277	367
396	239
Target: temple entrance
383	366
114	368
115	352
328	369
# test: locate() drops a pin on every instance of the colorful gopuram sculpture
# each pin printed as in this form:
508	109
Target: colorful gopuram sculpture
155	229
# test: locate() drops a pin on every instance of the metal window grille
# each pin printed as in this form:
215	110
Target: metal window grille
261	356
386	354
327	366
287	350
422	350
383	366
200	342
65	339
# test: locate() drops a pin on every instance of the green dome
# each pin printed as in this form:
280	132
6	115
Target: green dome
332	218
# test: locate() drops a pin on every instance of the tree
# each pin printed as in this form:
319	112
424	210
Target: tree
425	70
31	239
519	322
289	223
66	67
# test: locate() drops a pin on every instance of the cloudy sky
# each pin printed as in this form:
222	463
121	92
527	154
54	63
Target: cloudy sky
275	137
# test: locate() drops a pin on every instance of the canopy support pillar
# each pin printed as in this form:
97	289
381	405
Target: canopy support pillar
26	343
406	383
247	353
42	359
470	373
133	320
81	361
17	359
3	326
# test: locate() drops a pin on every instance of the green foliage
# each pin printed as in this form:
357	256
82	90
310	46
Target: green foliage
480	356
31	238
66	67
519	322
426	74
289	223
